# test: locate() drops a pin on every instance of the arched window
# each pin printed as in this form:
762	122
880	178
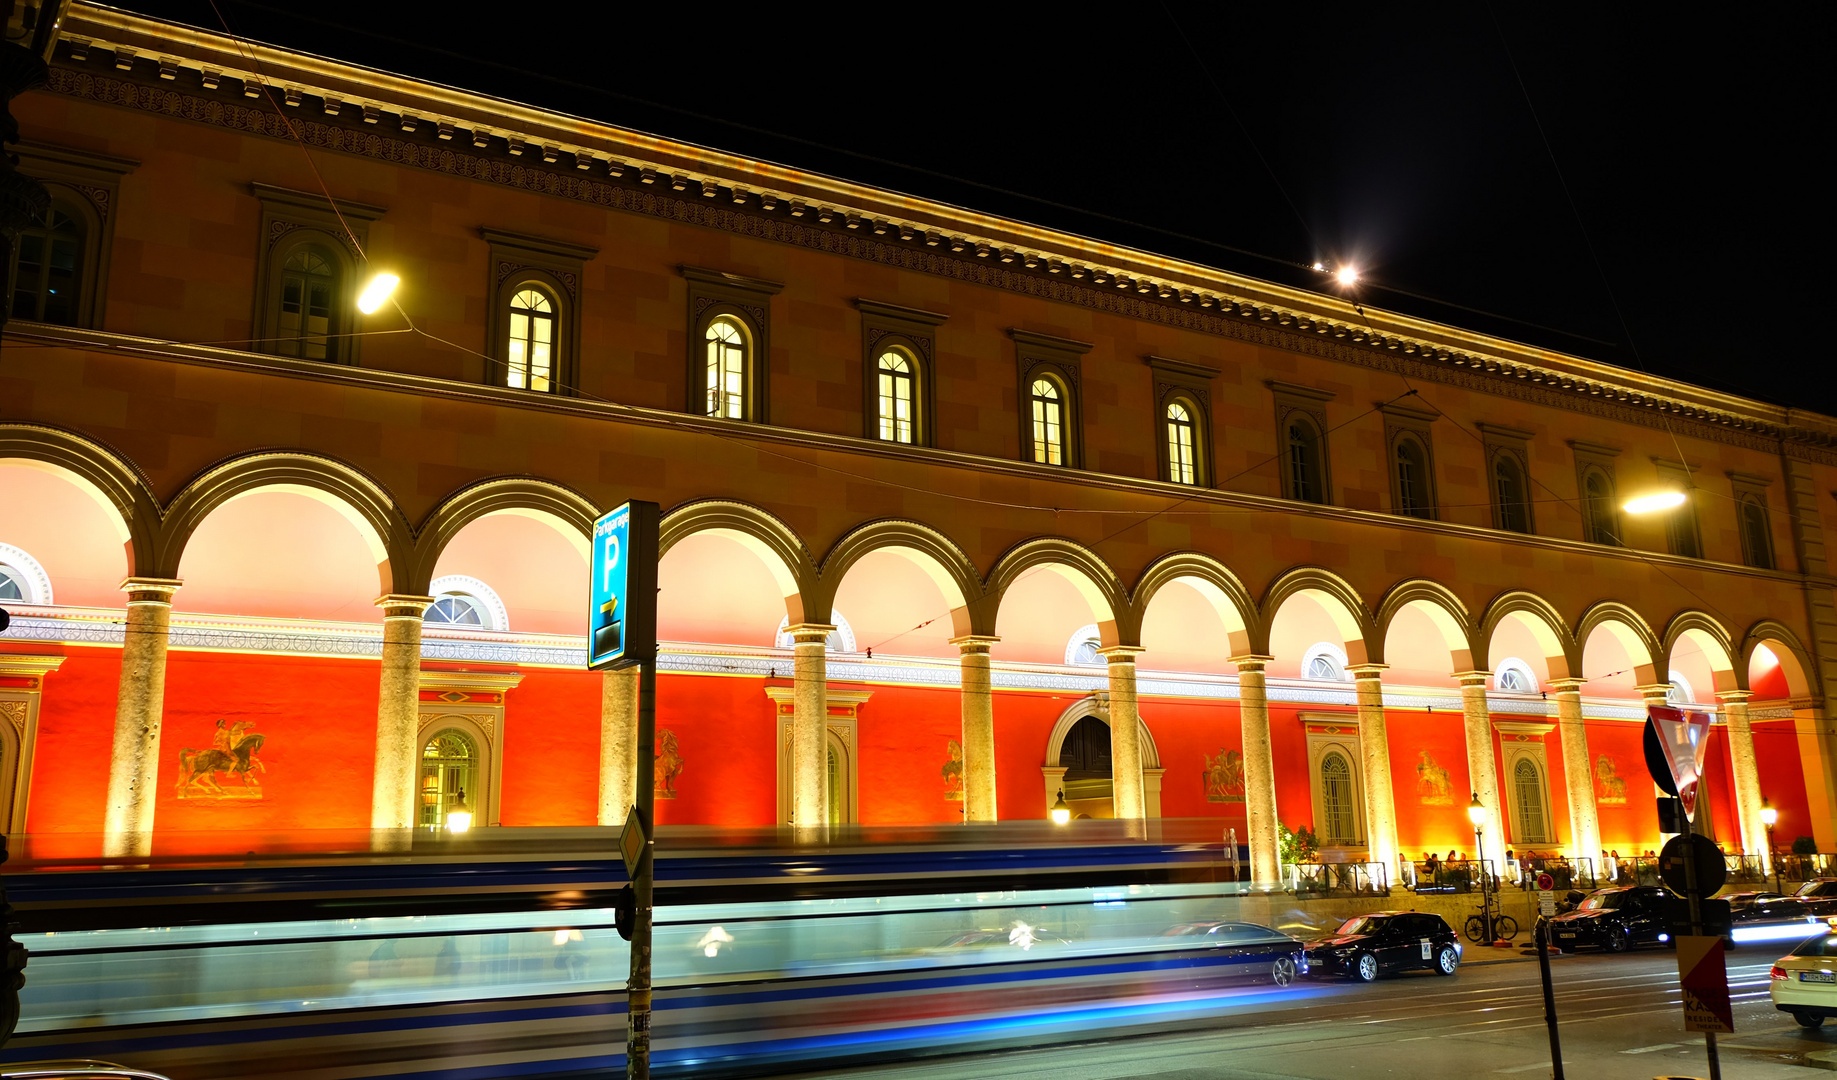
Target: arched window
11	588
530	359
309	307
1182	444
1599	518
1681	529
449	775
22	579
1513	677
1413	491
1512	499
47	270
1325	661
465	603
840	640
1048	408
1756	536
456	609
897	384
1305	477
1528	792
1679	692
726	369
1338	818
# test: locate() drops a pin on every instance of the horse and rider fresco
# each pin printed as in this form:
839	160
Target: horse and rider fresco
232	753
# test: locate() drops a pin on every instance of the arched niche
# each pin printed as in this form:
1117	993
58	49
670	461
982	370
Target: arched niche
283	551
536	563
69	527
1052	773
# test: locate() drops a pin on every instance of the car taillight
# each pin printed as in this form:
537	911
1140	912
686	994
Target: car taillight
1778	972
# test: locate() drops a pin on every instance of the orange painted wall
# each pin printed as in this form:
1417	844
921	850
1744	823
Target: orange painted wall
1023	723
724	728
1186	733
1439	828
551	747
905	739
76	727
1782	779
1630	827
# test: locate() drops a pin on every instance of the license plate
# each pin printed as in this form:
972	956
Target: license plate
1566	934
1818	976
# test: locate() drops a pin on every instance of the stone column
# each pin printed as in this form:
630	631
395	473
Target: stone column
1483	761
1126	792
809	724
978	704
1259	770
1375	749
618	744
1746	772
398	712
133	768
1578	772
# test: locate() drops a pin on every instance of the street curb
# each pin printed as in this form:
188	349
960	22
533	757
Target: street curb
1822	1059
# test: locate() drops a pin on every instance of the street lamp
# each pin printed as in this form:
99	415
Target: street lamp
1060	813
1476	813
1768	815
1654	502
459	818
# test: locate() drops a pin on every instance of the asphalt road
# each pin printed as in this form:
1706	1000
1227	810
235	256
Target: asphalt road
1620	1020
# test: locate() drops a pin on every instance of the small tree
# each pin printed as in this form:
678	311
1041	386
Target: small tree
1805	845
1297	846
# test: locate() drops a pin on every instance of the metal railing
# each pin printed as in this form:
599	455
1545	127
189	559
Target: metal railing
1336	879
1566	874
1451	876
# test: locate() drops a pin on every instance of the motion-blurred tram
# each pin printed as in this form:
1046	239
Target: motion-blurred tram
498	956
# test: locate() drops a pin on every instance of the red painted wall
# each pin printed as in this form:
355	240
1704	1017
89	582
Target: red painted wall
1438	826
551	747
76	731
724	730
905	741
1630	827
1187	732
1782	778
1023	723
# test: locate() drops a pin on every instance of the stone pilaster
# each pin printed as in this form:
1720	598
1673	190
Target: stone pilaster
1375	749
1746	771
1578	771
398	712
1126	791
140	702
1483	761
978	704
618	744
1259	769
809	721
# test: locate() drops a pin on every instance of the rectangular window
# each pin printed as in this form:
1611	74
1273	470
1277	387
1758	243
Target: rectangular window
1047	435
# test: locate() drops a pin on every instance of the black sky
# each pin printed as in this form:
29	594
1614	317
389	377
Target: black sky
1689	140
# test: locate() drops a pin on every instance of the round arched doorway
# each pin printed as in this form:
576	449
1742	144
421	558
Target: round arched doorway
449	775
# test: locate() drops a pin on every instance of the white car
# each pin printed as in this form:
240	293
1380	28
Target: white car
1804	982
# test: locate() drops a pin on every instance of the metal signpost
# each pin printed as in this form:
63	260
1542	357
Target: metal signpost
1682	742
1546	902
622	631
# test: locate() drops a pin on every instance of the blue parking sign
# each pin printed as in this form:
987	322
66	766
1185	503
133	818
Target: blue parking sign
622	611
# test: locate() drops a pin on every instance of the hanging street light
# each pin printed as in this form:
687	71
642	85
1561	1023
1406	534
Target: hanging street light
1060	812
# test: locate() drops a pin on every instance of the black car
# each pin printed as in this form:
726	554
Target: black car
1615	920
1252	951
1383	942
1819	895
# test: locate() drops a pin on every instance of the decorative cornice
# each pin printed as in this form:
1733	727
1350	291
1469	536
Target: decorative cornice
204	76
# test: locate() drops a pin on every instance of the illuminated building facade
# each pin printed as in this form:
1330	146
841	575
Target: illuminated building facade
1005	511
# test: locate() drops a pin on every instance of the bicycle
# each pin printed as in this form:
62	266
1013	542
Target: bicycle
1504	928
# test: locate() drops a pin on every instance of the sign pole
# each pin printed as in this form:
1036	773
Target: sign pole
1542	937
1696	930
638	996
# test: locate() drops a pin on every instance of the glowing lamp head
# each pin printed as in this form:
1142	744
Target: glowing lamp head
1347	277
459	818
1648	504
1476	813
1060	812
1768	815
377	292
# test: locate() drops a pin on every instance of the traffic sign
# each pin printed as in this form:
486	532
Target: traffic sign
1704	977
622	609
1546	882
1683	742
1712	869
631	842
1546	901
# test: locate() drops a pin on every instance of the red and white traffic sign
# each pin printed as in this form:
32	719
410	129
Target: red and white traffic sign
1684	736
1704	977
1545	882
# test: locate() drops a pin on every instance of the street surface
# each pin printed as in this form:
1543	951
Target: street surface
1620	1020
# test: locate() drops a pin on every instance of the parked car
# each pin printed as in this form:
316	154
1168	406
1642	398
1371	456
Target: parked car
1254	951
1383	942
1819	895
1615	919
1741	901
73	1070
1804	982
1770	919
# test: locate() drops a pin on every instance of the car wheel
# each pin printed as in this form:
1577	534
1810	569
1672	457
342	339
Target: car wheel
1365	968
1283	972
1447	960
1619	941
1808	1020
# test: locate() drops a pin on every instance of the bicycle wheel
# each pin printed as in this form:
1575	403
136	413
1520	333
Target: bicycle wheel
1475	929
1505	927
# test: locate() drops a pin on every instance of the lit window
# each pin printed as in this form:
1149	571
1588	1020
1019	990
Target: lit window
1513	680
1339	820
726	369
1412	479
896	383
47	276
309	284
1528	792
1048	422
10	586
1304	473
1181	437
1756	537
531	360
449	773
1598	514
1514	511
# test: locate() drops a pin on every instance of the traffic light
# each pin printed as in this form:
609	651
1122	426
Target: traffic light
12	964
625	911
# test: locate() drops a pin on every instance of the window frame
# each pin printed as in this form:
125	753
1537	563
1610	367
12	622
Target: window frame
1526	741
1594	458
1328	734
713	294
1514	447
1750	490
291	220
1683	529
90	184
1403	423
556	267
910	331
473	702
1061	361
1176	381
1305	403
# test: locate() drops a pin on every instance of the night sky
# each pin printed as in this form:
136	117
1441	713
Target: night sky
1675	221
